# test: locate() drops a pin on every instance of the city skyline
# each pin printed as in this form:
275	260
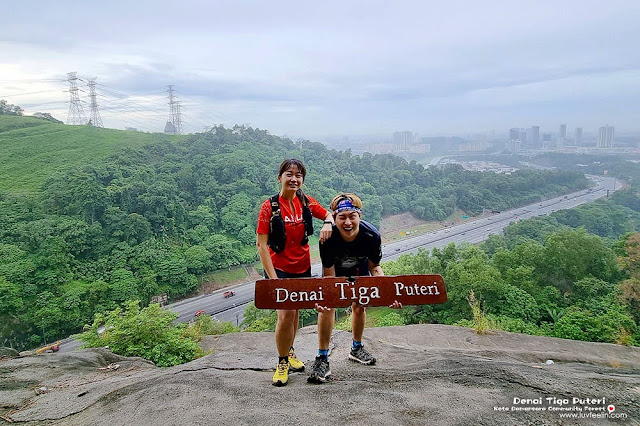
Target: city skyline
451	68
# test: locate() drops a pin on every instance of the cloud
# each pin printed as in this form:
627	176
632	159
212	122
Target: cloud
333	66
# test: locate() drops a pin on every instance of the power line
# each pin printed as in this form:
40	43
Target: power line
28	93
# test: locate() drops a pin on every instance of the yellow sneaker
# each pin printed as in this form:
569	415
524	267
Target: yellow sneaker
281	376
295	365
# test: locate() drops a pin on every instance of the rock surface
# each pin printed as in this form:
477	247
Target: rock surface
425	374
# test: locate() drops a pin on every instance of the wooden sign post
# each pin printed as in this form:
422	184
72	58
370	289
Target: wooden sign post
340	292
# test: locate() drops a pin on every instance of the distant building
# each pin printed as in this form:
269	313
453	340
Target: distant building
606	136
534	139
403	140
420	149
513	145
518	135
578	136
476	146
563	131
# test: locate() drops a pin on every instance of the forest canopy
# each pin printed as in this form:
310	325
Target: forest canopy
150	219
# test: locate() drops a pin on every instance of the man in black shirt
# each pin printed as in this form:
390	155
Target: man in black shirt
355	250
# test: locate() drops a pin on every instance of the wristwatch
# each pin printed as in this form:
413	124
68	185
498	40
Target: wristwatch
329	222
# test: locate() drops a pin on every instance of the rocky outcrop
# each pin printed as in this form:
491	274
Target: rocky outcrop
425	374
8	352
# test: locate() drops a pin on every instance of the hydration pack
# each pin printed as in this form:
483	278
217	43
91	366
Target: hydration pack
277	234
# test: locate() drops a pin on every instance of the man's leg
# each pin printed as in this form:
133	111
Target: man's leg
320	371
358	318
285	332
358	352
325	327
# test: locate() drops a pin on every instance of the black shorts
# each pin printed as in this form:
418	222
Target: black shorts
283	274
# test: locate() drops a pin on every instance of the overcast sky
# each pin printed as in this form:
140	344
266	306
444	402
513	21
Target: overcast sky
308	68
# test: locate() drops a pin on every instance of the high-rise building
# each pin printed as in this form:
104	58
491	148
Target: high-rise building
606	136
517	134
562	136
403	140
578	136
534	141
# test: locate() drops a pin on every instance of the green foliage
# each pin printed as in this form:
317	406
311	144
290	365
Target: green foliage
147	333
133	215
8	109
390	319
205	325
569	285
518	325
259	319
58	147
481	322
519	304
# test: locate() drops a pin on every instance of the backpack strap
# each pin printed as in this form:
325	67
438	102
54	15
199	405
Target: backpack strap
275	205
277	233
307	218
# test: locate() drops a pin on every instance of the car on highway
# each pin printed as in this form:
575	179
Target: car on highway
228	294
198	313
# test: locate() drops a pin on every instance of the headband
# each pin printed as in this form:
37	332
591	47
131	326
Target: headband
345	205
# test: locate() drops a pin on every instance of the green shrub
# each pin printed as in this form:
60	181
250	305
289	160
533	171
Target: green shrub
611	326
259	319
389	319
148	333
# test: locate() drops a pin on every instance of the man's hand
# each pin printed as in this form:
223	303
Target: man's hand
396	305
325	232
322	308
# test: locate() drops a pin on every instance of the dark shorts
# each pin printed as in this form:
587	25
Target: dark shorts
283	274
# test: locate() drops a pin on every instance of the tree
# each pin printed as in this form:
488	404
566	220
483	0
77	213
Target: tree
8	109
198	259
47	116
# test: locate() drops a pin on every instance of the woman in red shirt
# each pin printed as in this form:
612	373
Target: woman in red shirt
293	260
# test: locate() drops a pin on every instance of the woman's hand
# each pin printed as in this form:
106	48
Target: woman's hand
325	232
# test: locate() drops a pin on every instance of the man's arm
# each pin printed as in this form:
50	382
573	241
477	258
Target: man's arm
375	270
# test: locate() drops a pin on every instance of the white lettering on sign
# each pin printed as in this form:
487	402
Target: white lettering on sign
424	290
282	295
364	296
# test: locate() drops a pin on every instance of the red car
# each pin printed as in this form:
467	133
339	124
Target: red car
228	294
198	313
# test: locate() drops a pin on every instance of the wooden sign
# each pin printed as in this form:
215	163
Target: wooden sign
340	292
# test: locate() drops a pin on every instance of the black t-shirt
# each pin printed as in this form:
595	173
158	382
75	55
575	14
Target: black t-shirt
351	259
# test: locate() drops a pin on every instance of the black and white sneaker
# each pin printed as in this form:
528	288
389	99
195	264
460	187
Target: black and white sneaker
320	371
360	354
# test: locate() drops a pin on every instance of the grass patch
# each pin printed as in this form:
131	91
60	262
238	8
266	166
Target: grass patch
225	276
32	149
481	322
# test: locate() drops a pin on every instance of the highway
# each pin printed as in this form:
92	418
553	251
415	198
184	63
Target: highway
473	231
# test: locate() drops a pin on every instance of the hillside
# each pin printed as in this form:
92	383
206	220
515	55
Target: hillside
32	149
426	374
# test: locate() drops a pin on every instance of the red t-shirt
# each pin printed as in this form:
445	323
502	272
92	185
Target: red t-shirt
295	258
